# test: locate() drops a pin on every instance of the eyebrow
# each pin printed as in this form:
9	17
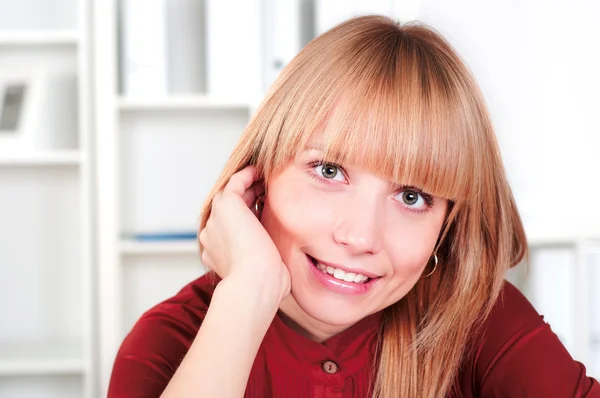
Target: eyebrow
321	148
315	146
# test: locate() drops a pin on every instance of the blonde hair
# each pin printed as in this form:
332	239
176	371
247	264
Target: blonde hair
398	100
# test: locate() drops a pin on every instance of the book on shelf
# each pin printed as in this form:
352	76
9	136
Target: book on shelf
162	236
144	61
233	51
281	36
185	46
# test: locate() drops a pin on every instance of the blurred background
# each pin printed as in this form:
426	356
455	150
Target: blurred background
116	117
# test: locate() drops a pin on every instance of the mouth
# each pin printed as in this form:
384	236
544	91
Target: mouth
342	275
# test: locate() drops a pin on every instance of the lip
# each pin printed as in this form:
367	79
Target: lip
339	286
346	269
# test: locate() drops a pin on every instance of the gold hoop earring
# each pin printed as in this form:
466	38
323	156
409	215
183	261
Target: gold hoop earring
435	260
258	204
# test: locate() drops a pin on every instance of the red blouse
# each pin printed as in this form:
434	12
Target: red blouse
519	355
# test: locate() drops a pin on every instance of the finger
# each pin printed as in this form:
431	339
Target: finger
214	202
242	180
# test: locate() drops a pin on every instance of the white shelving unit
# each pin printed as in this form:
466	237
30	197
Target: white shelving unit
181	102
39	38
46	188
44	158
157	157
146	248
43	360
560	283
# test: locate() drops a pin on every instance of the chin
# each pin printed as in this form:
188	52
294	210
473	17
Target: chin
330	308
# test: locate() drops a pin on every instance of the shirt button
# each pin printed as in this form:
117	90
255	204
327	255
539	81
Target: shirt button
330	367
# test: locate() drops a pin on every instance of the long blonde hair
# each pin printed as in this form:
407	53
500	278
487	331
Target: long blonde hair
397	99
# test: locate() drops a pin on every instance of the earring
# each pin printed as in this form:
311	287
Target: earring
435	260
258	204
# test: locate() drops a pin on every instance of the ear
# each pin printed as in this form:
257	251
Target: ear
260	187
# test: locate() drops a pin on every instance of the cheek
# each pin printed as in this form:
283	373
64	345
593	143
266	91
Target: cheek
412	245
300	210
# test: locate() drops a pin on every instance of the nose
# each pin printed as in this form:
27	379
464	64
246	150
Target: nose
360	225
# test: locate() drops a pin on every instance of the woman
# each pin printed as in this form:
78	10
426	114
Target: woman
359	237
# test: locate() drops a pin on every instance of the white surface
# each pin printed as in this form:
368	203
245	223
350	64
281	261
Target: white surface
181	102
38	38
45	255
543	107
131	247
149	280
39	255
52	120
86	198
48	359
106	179
282	39
186	37
331	12
55	15
183	152
233	49
41	387
552	285
594	315
42	158
405	10
144	44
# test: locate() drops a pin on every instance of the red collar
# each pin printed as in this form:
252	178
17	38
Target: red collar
352	350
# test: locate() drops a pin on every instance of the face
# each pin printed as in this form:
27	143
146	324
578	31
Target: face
354	243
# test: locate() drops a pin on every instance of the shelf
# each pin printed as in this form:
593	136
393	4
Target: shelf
131	247
42	158
566	240
35	360
181	102
538	241
38	38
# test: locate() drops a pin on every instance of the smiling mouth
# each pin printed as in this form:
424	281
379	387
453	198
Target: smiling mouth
340	274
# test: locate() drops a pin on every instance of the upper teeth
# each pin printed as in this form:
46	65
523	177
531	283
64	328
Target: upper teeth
343	275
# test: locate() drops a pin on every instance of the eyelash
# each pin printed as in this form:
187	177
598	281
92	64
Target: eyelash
427	197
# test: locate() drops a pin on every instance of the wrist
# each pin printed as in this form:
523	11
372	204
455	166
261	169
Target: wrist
256	296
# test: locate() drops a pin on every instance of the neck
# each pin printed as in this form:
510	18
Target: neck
296	319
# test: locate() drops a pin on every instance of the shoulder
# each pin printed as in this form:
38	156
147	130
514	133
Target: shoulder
518	354
157	343
184	311
512	316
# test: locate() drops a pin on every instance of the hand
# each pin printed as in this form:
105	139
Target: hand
236	245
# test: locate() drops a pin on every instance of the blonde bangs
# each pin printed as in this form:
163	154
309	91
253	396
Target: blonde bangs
390	110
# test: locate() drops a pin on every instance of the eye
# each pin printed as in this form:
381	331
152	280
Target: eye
414	200
329	171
